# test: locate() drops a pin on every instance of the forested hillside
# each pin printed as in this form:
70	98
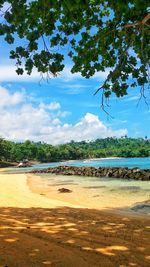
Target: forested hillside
108	147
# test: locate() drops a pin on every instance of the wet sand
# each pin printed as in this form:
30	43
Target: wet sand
38	231
89	192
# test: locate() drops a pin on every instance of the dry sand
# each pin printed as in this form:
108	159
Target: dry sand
14	192
38	231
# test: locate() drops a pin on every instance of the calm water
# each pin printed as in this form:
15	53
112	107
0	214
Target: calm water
96	188
95	192
143	163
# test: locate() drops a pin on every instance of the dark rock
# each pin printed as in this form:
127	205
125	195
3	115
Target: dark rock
143	207
123	173
64	190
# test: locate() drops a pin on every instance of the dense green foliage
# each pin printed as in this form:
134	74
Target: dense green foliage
114	36
108	147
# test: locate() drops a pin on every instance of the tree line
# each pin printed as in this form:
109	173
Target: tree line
43	152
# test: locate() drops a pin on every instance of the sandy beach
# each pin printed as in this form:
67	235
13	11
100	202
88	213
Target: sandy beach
89	192
36	230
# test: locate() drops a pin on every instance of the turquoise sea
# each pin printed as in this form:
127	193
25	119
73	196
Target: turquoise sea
95	188
143	163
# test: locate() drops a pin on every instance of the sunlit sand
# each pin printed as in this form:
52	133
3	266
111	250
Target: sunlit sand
36	230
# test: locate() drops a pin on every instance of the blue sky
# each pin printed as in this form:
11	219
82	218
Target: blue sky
64	108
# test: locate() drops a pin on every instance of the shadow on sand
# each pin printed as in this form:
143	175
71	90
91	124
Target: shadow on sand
67	237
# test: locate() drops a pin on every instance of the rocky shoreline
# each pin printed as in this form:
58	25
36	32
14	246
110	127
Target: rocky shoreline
112	172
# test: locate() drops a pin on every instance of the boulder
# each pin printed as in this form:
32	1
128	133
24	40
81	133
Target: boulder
123	173
64	190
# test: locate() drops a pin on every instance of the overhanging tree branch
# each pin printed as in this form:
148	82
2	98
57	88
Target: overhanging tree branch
140	23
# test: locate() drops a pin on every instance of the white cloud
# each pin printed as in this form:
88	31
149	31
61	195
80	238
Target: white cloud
132	98
67	76
8	73
25	121
7	99
54	106
124	121
63	114
51	106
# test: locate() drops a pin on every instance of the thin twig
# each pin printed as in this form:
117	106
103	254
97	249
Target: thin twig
142	92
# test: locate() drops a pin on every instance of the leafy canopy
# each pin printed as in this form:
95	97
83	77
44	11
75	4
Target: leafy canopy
98	35
107	147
